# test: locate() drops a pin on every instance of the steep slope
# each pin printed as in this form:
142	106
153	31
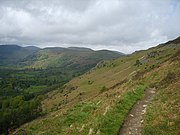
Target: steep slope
175	41
163	114
11	54
98	101
30	72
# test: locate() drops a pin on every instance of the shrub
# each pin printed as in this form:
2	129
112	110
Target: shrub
138	63
103	89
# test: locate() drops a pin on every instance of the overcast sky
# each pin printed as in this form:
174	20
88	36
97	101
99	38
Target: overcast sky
123	25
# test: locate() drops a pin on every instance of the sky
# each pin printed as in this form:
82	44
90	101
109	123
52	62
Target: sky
122	25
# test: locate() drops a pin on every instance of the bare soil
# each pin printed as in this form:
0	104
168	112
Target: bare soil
133	123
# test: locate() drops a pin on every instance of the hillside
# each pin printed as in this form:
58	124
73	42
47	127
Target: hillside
72	58
34	57
175	41
28	73
42	70
98	101
12	54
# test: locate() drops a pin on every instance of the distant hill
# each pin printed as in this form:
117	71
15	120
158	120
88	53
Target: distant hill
32	48
80	48
11	54
73	58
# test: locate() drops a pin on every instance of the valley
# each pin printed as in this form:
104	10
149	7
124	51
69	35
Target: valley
25	81
98	101
89	67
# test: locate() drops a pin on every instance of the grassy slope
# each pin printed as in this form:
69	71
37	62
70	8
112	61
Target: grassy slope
163	115
91	109
71	58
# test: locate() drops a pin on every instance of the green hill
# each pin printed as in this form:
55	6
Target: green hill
28	73
98	101
34	57
12	54
72	58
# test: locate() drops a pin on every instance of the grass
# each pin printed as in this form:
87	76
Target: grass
102	110
90	115
74	116
35	89
163	116
103	89
114	118
79	113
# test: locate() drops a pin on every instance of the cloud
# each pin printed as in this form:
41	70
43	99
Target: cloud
100	24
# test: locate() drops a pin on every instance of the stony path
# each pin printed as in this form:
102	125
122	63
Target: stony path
133	123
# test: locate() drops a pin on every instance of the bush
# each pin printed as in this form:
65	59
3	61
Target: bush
138	63
103	89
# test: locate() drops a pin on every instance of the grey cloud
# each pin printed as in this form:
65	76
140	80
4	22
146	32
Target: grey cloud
117	25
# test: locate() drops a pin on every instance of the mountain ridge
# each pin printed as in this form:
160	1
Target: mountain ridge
25	56
11	54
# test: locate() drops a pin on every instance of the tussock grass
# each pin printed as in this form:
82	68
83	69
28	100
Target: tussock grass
114	118
163	116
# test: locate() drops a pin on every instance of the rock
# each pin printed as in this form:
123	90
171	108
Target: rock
153	92
90	131
131	115
82	128
143	111
98	132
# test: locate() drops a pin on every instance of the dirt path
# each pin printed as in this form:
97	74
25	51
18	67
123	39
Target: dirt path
134	121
